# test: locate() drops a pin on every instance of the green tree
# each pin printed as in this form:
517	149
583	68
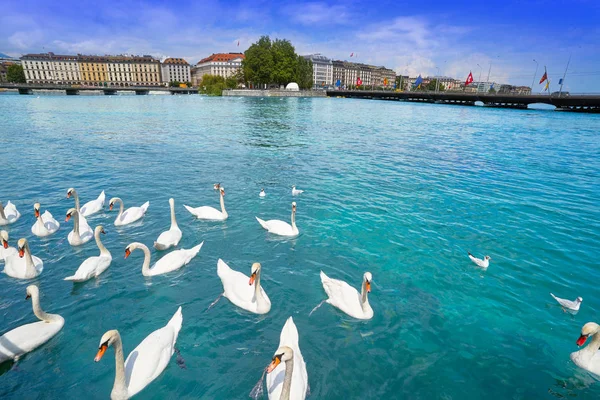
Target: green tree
284	62
212	85
15	74
432	84
174	83
304	73
258	63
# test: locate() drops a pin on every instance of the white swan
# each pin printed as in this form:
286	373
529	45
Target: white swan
81	233
237	287
8	214
5	250
281	228
481	263
26	338
346	298
23	265
290	379
206	212
146	362
588	358
89	208
93	266
171	237
217	186
130	215
296	192
45	225
168	263
262	193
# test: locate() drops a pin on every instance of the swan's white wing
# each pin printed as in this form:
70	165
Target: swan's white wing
5	253
279	227
27	337
206	212
131	215
174	260
86	270
168	238
149	359
236	287
342	295
93	206
50	223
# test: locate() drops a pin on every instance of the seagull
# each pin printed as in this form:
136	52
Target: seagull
296	192
481	263
568	304
262	193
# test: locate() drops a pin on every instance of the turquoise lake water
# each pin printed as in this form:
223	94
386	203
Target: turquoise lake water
401	190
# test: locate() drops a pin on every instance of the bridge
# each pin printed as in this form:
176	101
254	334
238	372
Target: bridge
577	103
28	88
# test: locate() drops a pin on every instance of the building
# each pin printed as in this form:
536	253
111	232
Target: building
221	64
175	70
93	70
133	71
346	74
510	89
322	70
51	68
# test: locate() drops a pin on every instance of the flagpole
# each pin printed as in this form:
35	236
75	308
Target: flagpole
534	74
562	81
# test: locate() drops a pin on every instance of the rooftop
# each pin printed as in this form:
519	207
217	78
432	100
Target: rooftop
222	57
180	61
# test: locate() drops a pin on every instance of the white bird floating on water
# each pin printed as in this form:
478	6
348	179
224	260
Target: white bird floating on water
210	213
588	358
8	214
171	237
93	266
262	193
168	263
572	305
89	208
45	224
130	215
81	233
5	250
279	227
481	263
23	265
26	338
237	287
146	362
346	298
296	192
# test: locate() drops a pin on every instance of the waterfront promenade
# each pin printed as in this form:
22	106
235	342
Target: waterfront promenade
28	88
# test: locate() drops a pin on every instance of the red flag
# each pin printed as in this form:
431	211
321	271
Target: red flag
469	79
358	81
351	55
545	76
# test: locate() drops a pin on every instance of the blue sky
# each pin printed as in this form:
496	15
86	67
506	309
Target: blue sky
417	37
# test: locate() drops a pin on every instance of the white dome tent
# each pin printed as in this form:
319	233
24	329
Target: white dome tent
292	86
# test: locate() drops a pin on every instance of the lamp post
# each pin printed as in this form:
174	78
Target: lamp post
534	74
479	80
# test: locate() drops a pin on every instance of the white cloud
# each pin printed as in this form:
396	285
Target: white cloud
317	13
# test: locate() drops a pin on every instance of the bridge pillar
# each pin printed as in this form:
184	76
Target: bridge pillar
25	91
142	92
72	92
110	92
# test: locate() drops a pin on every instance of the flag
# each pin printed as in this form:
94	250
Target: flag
358	81
560	81
545	76
469	79
418	81
338	83
352	55
547	85
238	43
385	81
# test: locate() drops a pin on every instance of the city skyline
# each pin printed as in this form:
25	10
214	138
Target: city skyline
427	39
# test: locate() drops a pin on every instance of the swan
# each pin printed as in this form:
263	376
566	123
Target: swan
216	186
146	362
168	263
81	233
571	305
588	358
45	225
346	298
93	266
238	288
5	251
89	208
130	215
8	214
26	338
171	237
206	212
296	192
281	228
288	380
262	193
23	265
481	263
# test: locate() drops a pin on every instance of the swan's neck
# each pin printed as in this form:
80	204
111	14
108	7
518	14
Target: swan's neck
146	265
37	310
76	199
287	381
120	386
294	220
40	221
103	250
257	292
223	206
29	266
173	219
121	208
76	222
591	349
364	301
2	215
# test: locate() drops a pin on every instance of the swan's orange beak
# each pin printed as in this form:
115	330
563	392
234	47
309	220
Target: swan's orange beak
368	286
127	253
28	296
252	278
5	244
581	340
110	207
101	352
103	232
37	213
276	361
68	195
21	252
68	218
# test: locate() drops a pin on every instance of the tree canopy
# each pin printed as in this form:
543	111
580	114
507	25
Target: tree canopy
213	85
276	62
431	86
15	74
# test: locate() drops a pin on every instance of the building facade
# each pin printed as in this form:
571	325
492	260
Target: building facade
175	69
51	68
93	70
133	71
322	70
346	75
221	64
